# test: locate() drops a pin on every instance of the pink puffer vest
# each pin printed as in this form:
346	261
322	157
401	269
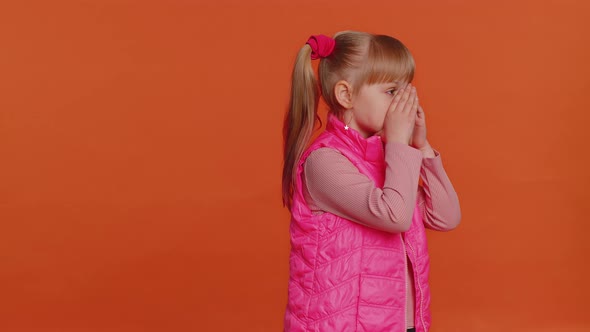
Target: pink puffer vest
345	276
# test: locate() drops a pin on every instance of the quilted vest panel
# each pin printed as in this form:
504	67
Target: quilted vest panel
345	276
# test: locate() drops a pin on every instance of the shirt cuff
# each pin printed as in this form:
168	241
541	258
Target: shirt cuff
432	161
398	148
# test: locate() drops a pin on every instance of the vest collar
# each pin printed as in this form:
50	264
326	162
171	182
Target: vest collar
370	148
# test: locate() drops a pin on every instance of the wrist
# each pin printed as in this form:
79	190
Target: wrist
427	151
396	140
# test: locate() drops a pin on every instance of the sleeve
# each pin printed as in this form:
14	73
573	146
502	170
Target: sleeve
437	198
335	185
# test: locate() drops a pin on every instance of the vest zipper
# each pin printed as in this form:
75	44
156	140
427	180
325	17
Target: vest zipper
416	281
406	284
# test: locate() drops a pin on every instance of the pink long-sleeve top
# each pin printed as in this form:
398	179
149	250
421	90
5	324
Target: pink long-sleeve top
333	184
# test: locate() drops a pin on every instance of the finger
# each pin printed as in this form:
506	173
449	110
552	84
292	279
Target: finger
414	110
413	107
408	106
405	97
420	111
397	98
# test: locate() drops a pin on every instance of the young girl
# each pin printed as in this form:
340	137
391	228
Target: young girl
359	259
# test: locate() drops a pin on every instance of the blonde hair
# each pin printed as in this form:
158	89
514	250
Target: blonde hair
359	58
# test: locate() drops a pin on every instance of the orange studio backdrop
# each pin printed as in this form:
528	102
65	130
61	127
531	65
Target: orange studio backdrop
141	157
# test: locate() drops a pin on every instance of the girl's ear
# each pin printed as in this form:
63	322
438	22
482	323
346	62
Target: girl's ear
343	93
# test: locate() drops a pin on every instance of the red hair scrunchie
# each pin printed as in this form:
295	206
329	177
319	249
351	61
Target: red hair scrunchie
321	46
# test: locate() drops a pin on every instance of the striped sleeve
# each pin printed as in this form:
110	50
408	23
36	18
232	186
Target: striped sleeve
333	184
437	198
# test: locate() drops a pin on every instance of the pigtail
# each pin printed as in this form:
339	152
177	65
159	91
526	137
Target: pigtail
299	119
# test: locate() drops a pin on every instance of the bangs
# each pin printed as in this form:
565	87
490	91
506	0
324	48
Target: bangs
388	60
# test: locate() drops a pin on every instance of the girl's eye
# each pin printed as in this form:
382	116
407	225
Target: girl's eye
392	91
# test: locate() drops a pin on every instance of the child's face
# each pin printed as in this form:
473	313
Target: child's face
371	104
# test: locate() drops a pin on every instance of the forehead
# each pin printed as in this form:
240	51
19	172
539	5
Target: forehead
389	84
376	88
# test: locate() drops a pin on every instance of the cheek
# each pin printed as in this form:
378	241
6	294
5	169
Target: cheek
380	112
370	112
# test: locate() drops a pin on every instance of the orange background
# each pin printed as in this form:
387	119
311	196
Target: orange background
141	159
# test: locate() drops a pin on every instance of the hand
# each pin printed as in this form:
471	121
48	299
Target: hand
401	116
419	140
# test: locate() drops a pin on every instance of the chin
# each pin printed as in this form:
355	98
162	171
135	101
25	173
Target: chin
376	131
373	132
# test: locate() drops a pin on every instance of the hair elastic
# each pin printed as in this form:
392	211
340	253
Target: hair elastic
321	46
